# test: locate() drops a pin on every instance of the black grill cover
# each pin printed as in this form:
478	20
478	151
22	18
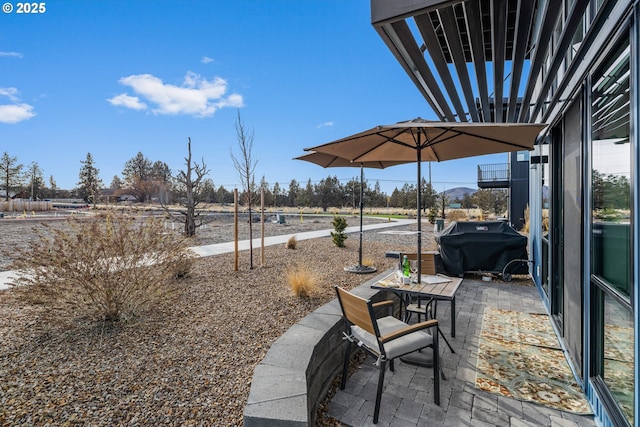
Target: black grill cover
482	246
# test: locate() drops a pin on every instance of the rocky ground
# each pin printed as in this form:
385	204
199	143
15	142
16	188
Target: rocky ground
16	232
190	364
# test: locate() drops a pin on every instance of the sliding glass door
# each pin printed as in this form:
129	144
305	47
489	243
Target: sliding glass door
611	227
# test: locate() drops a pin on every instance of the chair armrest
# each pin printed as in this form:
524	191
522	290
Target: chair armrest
385	303
408	330
382	303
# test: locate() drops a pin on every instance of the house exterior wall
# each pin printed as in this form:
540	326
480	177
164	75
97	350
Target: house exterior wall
601	308
584	233
518	188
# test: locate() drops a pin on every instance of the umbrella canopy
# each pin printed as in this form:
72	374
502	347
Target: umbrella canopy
421	140
434	141
329	160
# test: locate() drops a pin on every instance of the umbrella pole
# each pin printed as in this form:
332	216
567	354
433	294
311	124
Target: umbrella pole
419	215
361	211
359	268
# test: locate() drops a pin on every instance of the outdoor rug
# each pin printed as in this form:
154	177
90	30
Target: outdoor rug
519	356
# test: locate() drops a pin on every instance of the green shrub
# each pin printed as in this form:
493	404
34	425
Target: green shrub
432	215
339	225
107	268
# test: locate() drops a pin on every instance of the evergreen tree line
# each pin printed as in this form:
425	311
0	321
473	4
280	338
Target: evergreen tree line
145	181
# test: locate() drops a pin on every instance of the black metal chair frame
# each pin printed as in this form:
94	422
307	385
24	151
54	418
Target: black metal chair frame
366	319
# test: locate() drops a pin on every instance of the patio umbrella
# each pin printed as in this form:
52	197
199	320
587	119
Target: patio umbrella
328	161
421	140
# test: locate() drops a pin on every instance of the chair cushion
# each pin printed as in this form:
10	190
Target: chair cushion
397	347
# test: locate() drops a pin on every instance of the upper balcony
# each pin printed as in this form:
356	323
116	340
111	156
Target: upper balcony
495	175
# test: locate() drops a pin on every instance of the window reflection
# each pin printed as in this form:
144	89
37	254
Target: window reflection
618	354
611	250
611	171
544	186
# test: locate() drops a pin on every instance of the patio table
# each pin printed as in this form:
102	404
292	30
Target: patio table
438	287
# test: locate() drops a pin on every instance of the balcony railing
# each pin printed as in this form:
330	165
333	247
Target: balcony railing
495	175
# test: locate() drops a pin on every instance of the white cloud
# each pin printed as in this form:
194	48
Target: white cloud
124	100
9	92
16	112
325	125
206	60
196	96
12	54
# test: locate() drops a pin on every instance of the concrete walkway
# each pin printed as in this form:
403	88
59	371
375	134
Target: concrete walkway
7	277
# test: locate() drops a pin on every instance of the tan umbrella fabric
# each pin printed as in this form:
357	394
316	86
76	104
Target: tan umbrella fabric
436	141
328	161
421	140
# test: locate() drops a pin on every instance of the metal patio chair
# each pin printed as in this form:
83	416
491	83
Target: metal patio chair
385	339
419	307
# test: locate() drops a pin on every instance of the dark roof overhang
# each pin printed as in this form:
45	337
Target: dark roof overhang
450	50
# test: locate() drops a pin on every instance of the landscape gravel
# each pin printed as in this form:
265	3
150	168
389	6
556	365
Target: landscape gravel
190	364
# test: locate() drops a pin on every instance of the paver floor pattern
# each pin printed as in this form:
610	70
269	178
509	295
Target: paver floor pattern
407	399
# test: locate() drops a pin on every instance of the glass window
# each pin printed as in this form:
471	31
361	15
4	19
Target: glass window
618	354
611	228
611	259
522	156
544	186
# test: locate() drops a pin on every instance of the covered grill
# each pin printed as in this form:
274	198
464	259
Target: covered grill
487	246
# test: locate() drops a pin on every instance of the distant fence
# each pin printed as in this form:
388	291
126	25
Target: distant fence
24	206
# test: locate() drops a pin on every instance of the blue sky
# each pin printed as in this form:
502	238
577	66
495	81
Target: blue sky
114	78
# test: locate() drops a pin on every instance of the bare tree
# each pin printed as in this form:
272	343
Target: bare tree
189	185
245	166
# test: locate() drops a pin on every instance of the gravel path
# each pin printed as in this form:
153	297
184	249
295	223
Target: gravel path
189	365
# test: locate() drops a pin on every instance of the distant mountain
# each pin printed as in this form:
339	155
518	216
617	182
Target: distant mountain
458	193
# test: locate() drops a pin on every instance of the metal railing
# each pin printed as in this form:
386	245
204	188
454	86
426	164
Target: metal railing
493	172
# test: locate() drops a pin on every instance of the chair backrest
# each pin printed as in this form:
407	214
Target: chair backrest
356	310
428	264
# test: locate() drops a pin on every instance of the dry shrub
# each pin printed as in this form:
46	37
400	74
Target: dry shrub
525	227
106	268
302	281
456	215
292	242
367	262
